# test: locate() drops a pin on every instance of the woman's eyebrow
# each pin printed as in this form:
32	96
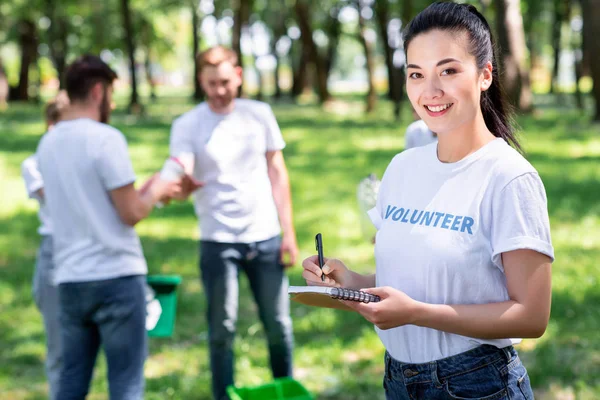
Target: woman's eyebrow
441	62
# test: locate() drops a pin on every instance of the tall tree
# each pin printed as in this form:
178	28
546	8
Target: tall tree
576	46
300	63
28	42
134	103
57	38
395	74
303	18
368	46
333	30
198	95
535	28
511	38
559	15
241	17
147	38
590	9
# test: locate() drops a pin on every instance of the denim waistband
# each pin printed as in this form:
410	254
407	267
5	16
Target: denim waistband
449	366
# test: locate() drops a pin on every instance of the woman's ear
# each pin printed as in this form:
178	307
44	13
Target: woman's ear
487	78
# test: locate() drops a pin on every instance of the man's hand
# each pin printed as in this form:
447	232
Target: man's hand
289	250
188	186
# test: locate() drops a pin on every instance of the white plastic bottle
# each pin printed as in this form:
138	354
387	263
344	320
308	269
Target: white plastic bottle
172	170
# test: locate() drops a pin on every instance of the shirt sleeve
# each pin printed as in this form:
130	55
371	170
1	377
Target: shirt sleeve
274	137
113	162
32	177
520	218
179	141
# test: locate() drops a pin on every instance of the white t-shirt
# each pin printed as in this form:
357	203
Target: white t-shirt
33	183
442	228
236	204
81	162
418	134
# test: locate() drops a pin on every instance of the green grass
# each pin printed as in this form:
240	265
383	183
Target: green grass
337	354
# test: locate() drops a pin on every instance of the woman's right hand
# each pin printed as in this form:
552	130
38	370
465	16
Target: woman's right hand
336	273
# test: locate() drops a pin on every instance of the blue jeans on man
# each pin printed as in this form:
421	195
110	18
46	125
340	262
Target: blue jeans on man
112	313
220	264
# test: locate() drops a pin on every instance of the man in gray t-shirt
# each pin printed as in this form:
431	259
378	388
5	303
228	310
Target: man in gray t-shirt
233	146
100	266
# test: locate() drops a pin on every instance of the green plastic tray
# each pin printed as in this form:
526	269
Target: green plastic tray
279	389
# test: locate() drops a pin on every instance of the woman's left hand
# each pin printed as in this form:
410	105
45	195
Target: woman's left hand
395	308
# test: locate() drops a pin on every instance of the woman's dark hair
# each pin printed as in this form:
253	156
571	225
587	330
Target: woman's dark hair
456	18
84	73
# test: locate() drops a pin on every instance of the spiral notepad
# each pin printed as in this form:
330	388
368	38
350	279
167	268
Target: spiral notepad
324	296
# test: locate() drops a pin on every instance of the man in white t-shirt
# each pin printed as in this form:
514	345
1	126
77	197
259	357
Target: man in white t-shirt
418	134
100	267
234	147
45	292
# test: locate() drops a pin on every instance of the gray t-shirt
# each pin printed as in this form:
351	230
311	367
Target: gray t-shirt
229	150
81	161
418	134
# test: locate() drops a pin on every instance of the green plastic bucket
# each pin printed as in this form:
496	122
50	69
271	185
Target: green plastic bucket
165	289
279	389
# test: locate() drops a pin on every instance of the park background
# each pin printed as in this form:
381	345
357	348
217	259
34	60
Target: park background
333	72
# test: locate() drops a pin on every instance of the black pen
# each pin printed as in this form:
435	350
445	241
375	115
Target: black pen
319	245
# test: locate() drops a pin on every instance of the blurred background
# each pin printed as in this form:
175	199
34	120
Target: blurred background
333	72
288	48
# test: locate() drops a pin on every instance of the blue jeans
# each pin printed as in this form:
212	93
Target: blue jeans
45	294
112	313
484	373
220	264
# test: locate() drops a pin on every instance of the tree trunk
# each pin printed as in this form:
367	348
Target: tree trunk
57	40
149	77
511	39
301	83
242	14
333	30
576	45
370	62
134	103
198	95
28	42
383	18
559	16
276	74
591	29
303	19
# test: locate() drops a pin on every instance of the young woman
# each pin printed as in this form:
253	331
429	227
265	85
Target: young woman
463	249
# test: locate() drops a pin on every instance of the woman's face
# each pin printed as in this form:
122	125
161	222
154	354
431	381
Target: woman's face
444	84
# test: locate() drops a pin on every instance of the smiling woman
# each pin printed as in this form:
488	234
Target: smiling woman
463	247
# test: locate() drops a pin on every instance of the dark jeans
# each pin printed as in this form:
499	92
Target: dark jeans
112	313
484	373
220	264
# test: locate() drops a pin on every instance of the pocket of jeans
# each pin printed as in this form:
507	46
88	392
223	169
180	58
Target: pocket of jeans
525	386
484	383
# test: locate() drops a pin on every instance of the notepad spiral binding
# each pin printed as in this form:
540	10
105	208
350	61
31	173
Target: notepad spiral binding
354	295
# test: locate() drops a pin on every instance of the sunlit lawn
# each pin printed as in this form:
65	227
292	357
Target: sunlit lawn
337	354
